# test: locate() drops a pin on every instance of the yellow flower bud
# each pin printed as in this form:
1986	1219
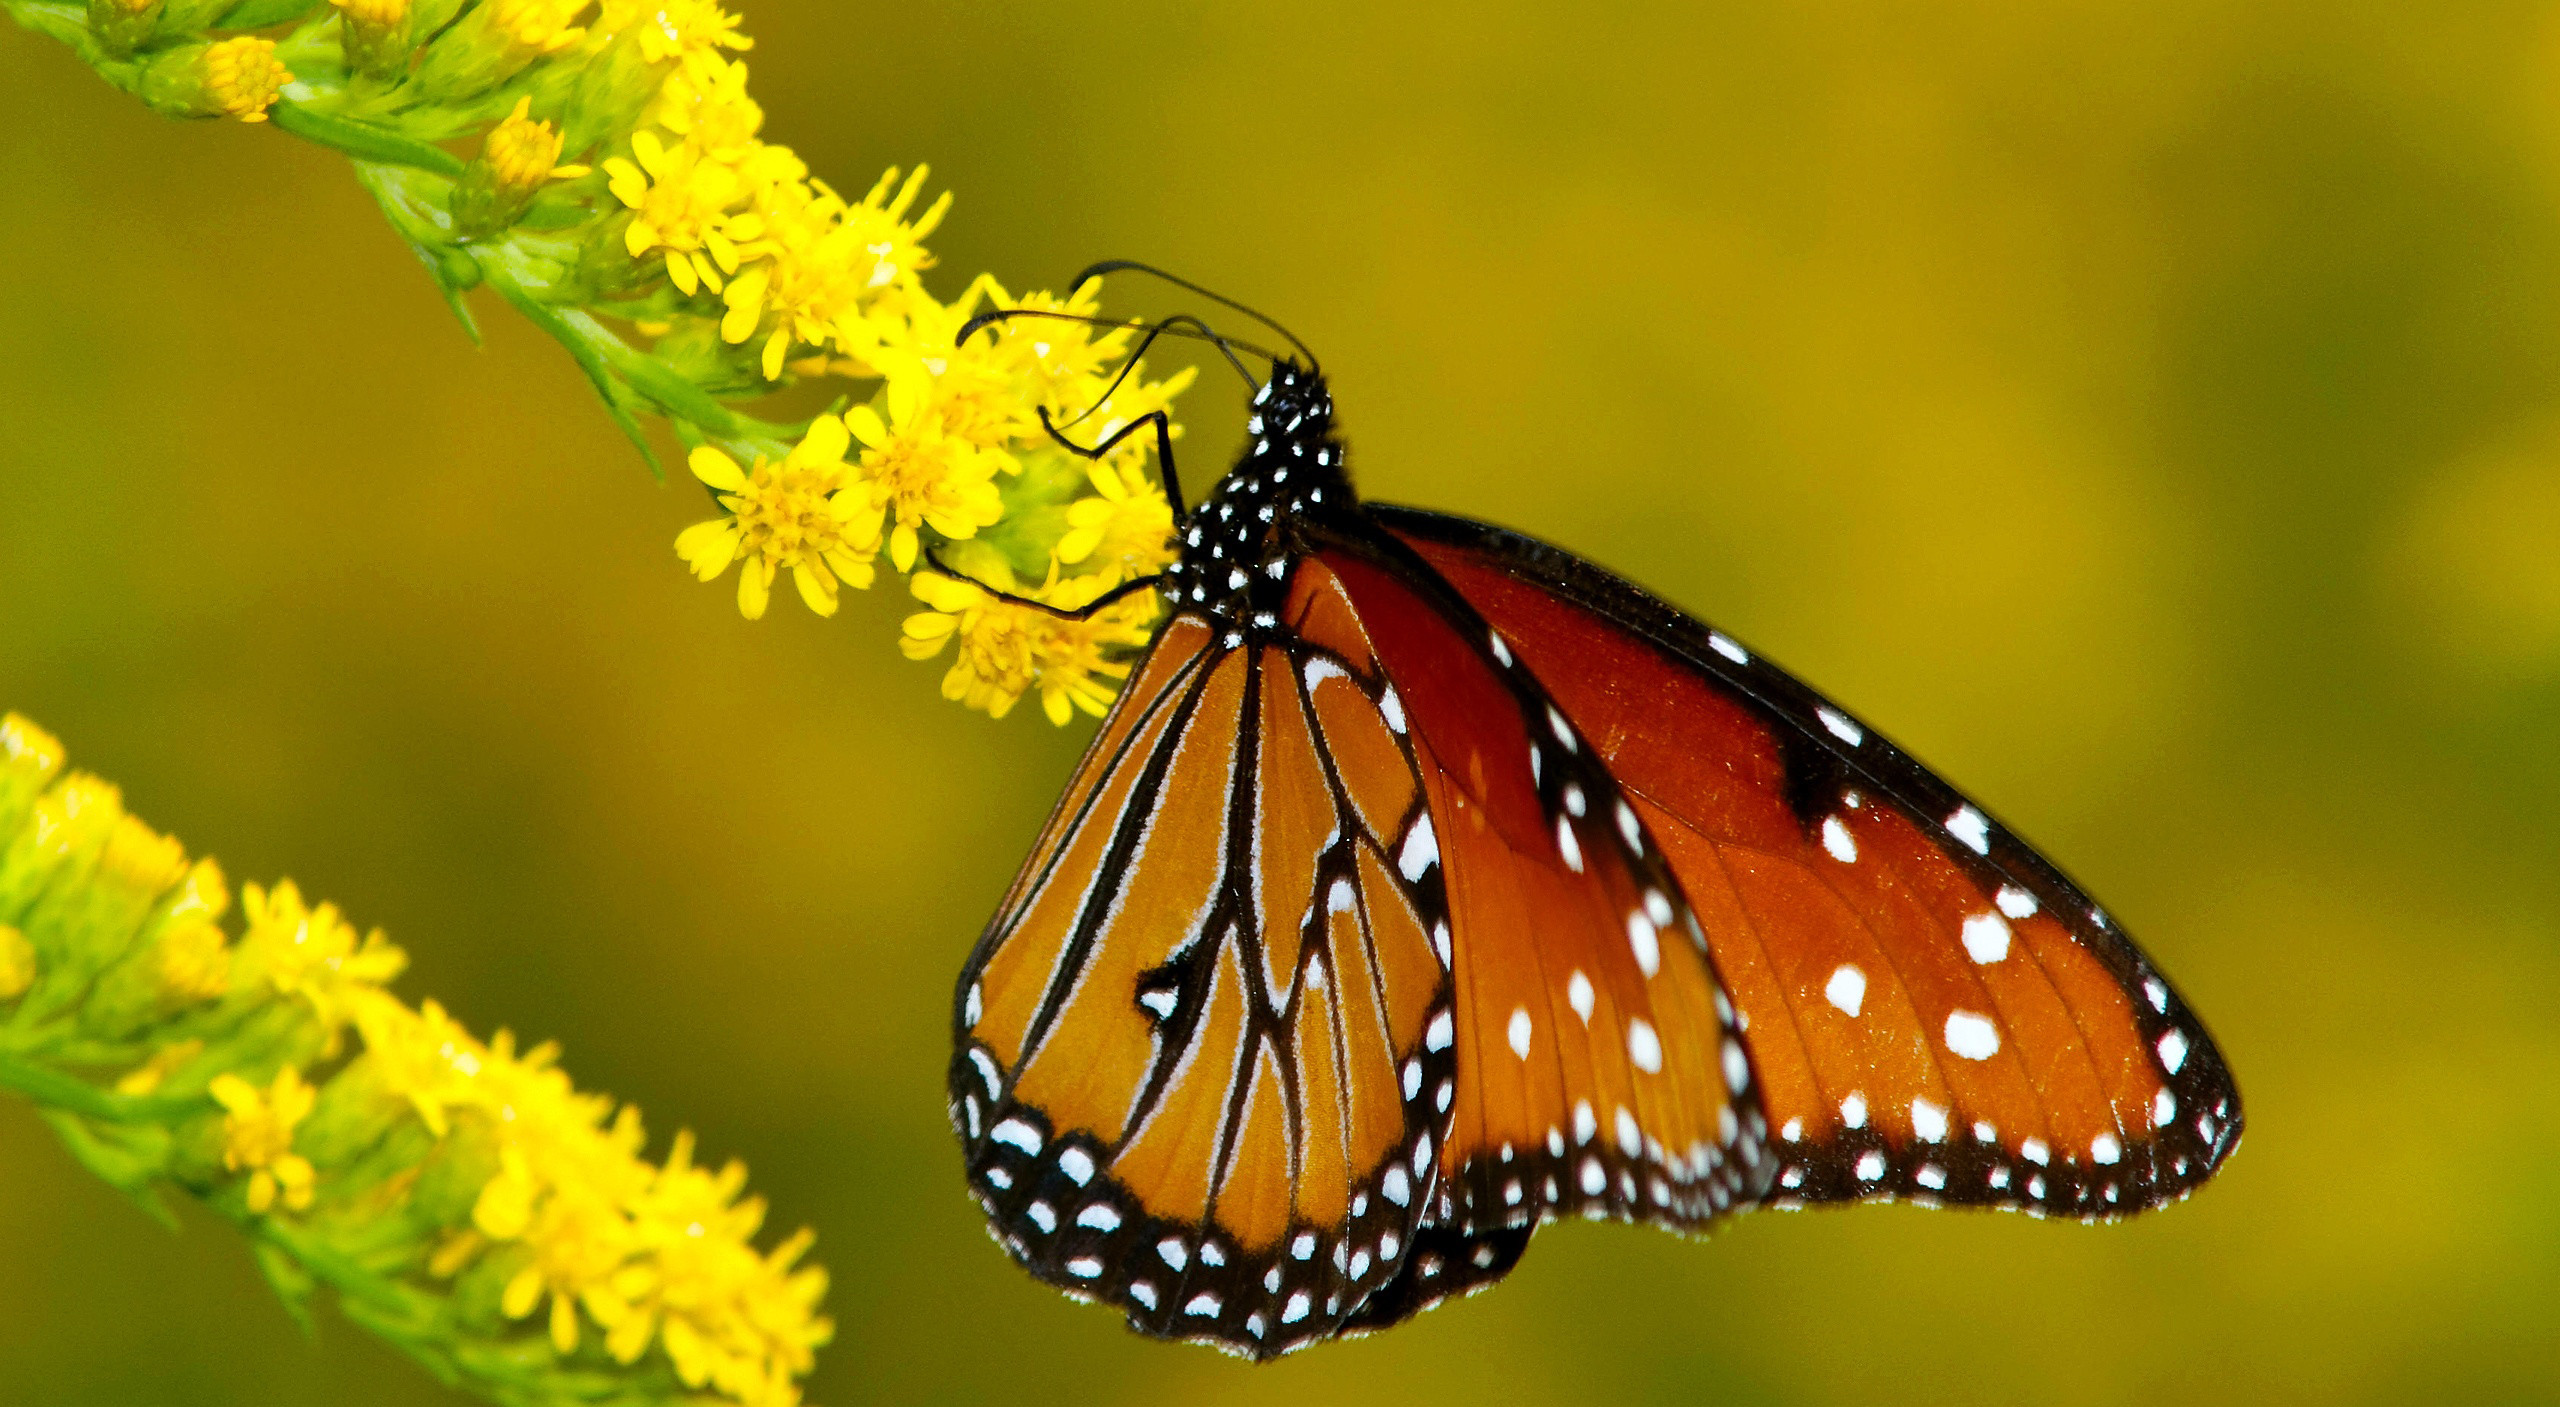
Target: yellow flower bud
122	26
375	36
519	157
239	77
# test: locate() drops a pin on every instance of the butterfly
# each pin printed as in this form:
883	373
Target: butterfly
1427	883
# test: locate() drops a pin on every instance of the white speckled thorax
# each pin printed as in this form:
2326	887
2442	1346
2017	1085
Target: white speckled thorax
1234	566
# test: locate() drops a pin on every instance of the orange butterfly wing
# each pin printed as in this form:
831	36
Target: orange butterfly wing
1933	1011
1193	1050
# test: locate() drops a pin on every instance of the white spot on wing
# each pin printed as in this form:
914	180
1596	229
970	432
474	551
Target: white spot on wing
1441	1031
1077	1164
2173	1051
1972	1035
1847	988
1519	1031
2015	902
1393	708
1018	1134
1928	1121
2105	1149
1567	846
1971	827
1724	646
1838	725
1986	938
1578	991
1853	1110
1646	942
1870	1165
1837	840
1644	1046
1421	849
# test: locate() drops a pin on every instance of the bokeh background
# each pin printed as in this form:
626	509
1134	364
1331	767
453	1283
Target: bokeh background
2147	411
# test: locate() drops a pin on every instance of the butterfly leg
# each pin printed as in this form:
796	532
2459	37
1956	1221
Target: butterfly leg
1086	611
1164	449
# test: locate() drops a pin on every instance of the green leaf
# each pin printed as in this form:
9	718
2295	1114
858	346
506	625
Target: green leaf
362	140
259	14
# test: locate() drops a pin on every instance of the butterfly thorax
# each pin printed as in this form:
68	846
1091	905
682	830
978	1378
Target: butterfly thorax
1236	544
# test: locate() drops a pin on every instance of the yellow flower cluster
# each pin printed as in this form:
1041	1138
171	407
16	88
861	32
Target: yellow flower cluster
950	446
417	1161
623	194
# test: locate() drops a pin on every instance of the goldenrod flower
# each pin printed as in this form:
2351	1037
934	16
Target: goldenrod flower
313	954
680	201
257	1137
1006	649
539	26
705	101
519	157
374	35
823	268
671	28
424	1057
924	475
237	77
17	963
806	514
1126	528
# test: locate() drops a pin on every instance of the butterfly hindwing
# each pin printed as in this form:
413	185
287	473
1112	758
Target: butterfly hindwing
1599	1068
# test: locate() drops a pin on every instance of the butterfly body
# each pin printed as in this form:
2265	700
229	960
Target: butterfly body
1428	883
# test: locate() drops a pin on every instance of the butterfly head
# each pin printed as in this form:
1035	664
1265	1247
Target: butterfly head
1237	545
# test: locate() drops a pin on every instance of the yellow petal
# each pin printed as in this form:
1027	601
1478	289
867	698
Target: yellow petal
564	1324
709	548
817	589
746	305
1053	702
866	426
928	625
902	547
652	153
776	349
825	443
716	469
680	269
755	587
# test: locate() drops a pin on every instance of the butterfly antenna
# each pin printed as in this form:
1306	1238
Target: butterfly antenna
1180	325
1113	266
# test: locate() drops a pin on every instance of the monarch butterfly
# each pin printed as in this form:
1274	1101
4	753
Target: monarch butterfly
1427	883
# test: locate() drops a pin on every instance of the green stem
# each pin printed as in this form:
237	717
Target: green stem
53	1088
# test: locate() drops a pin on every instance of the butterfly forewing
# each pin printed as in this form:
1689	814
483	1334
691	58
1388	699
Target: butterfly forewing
1934	1011
1193	1046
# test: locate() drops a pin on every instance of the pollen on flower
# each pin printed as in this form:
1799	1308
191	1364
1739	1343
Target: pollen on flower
312	954
257	1137
806	514
542	26
925	476
523	153
1006	649
680	200
671	28
243	78
1126	528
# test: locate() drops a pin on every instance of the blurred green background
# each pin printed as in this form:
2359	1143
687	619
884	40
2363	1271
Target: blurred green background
2148	412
